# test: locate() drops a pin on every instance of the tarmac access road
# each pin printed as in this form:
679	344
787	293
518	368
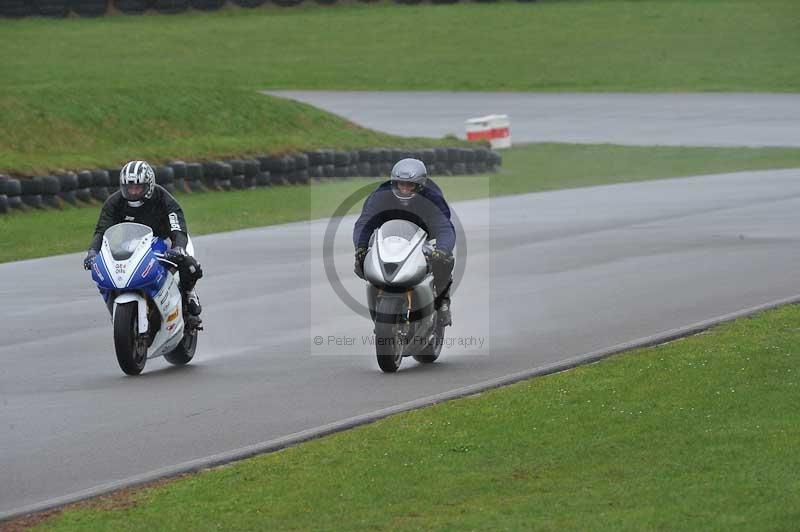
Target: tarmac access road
679	119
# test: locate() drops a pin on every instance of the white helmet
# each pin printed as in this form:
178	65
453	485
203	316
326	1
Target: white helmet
137	181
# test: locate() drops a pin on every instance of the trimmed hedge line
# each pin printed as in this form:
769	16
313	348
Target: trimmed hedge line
87	187
96	8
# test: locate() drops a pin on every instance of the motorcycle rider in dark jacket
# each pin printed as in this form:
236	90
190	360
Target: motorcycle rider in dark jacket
140	200
411	195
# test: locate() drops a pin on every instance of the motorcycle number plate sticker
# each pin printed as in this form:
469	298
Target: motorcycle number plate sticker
120	272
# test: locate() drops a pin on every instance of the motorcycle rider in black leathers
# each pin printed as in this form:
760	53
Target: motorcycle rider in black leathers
411	195
140	200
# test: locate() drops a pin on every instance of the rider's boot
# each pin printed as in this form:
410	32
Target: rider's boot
193	303
442	304
445	317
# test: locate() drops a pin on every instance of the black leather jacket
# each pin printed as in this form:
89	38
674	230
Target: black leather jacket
161	213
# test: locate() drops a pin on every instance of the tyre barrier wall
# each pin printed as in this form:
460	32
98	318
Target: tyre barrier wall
88	187
97	8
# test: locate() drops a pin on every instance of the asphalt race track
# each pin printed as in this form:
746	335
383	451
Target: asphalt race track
685	119
548	276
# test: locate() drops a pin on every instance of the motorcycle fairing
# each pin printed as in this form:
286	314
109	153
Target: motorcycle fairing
421	296
149	275
101	276
396	260
170	305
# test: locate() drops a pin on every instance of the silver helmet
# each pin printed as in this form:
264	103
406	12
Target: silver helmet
137	181
408	178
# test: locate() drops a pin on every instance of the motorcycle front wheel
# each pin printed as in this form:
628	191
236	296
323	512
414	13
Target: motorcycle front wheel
131	353
431	352
388	338
184	351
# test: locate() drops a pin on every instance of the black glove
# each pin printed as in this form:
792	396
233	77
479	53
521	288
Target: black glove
358	269
88	262
441	257
175	254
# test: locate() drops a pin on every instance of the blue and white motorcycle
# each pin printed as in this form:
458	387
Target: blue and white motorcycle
140	288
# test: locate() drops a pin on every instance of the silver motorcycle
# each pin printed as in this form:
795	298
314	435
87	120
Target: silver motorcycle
401	295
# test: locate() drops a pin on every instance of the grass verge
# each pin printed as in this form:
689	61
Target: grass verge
698	434
50	129
84	92
530	168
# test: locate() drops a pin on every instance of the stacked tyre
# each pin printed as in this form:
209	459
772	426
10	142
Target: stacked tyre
226	175
100	183
68	182
133	7
51	188
13	193
3	198
264	176
165	176
328	163
32	192
341	163
52	8
170	7
300	174
16	8
84	191
354	162
237	174
268	170
89	8
315	163
179	176
207	5
218	175
251	169
279	168
194	177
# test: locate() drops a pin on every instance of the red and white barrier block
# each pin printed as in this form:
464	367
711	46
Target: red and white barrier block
494	128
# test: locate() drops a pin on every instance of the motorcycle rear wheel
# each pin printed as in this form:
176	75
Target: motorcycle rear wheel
131	353
388	341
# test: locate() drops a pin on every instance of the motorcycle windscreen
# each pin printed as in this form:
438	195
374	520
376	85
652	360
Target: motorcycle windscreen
402	228
124	238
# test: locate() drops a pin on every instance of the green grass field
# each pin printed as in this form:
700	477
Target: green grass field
698	434
97	92
634	45
531	168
